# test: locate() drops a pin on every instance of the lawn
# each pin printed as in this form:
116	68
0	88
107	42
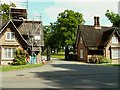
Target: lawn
60	55
9	68
114	65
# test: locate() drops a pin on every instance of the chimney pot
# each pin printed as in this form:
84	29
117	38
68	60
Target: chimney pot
97	22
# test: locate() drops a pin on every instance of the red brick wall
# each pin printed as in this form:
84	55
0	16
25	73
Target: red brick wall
85	51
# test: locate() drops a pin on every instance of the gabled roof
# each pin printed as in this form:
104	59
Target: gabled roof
13	28
95	37
30	28
107	36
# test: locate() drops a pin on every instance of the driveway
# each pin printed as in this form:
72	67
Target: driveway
63	74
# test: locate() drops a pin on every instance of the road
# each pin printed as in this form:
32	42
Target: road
63	74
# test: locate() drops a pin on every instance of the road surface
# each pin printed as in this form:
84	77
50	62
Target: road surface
63	74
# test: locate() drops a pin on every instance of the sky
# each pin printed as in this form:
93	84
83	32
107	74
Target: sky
49	9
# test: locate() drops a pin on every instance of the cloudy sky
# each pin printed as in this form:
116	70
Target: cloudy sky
49	9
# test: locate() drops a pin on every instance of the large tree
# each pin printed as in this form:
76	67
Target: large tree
5	10
51	38
66	28
114	18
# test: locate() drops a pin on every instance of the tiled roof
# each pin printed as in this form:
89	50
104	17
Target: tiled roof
94	37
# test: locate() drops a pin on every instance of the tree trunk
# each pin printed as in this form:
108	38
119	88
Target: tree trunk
48	53
66	52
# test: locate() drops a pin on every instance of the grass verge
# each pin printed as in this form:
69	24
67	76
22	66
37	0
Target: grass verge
9	68
60	55
114	65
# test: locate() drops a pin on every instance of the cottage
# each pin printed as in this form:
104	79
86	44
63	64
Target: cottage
33	34
10	39
20	32
98	40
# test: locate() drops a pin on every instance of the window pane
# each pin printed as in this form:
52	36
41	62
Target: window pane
81	41
12	35
81	53
9	53
8	35
5	53
115	53
114	40
13	50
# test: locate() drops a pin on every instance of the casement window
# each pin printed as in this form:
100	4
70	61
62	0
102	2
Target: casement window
8	53
10	36
115	40
81	53
81	41
115	53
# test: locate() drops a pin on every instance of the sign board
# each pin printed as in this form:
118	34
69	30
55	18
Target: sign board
37	37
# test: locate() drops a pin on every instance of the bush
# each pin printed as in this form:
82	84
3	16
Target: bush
99	59
72	57
20	58
105	60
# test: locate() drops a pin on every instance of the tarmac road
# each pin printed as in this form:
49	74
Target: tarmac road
63	74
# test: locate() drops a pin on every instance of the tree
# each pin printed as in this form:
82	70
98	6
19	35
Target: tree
5	10
66	28
50	38
114	18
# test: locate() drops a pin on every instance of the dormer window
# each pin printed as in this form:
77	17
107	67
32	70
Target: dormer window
10	36
115	40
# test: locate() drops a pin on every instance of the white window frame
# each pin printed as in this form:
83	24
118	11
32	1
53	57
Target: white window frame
10	36
5	53
81	53
115	40
115	53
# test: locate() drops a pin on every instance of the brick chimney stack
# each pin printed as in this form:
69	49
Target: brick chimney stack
97	22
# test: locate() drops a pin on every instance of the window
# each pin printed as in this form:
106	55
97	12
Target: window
115	40
81	41
8	53
10	36
81	53
115	53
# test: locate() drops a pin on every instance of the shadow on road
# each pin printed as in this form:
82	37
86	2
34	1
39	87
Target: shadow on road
80	76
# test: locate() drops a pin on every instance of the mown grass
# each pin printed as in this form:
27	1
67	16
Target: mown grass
60	55
9	68
114	65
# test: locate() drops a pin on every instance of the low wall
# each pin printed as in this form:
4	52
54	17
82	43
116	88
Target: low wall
5	62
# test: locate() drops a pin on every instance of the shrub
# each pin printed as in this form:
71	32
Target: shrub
20	58
99	59
105	60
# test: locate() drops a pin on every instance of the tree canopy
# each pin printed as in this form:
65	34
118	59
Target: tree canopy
66	26
5	10
113	17
63	31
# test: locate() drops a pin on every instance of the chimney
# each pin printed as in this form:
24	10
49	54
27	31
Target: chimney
97	22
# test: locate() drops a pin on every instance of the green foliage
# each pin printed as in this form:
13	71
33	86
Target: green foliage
20	58
5	9
104	60
114	18
66	26
11	68
99	59
64	30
